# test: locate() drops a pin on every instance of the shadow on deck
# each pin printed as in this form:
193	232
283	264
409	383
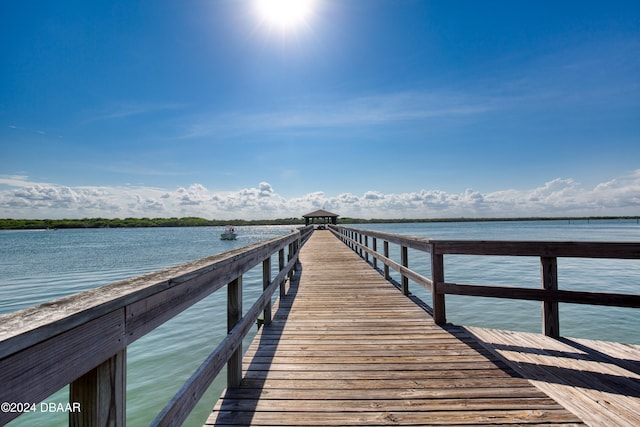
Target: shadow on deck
598	381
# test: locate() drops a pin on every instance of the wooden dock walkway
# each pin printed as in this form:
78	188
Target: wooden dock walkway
347	348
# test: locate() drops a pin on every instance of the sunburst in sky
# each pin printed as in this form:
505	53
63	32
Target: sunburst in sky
285	15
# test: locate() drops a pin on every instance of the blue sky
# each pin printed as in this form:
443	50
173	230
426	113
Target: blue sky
369	108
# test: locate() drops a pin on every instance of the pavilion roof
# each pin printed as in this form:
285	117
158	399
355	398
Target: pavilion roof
320	213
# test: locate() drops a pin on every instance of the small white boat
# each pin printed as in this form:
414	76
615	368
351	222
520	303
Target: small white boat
229	233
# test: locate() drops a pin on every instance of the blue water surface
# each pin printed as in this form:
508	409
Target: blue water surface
39	266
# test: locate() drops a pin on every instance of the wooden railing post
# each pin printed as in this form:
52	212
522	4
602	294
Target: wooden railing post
366	244
297	250
100	395
437	277
549	281
386	255
289	258
266	281
280	268
374	243
404	260
234	314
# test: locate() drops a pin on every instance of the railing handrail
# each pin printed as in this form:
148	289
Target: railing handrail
547	251
46	347
567	249
579	249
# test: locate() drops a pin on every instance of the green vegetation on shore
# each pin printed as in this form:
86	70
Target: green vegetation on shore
25	224
34	224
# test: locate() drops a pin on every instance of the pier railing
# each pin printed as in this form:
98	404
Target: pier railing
367	244
82	340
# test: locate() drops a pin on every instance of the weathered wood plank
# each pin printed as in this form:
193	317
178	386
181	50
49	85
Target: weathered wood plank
329	395
100	394
234	314
449	371
381	417
620	250
359	405
549	282
532	294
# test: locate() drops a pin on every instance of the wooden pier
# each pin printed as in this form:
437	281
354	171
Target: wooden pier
346	347
343	345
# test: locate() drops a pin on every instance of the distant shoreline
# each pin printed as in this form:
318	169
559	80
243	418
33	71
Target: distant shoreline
38	224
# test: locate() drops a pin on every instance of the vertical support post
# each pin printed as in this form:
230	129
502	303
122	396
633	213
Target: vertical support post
360	241
266	281
366	243
296	248
375	249
281	264
437	277
100	394
386	255
234	314
290	255
549	281
404	260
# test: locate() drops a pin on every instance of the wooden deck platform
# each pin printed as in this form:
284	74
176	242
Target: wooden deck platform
596	380
347	348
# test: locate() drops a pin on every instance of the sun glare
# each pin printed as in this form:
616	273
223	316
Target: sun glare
284	15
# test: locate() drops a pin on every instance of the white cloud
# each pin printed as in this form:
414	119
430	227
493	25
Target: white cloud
21	198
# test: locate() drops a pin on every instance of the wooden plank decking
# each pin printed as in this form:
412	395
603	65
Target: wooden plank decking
347	348
596	380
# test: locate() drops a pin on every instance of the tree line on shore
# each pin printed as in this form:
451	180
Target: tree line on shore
24	224
35	224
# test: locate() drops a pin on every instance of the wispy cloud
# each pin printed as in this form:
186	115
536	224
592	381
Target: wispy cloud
132	109
549	86
139	169
18	181
354	112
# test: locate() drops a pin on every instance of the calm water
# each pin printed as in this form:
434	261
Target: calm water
37	266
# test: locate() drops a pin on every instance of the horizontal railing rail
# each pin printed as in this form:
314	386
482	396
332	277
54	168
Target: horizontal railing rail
81	340
548	252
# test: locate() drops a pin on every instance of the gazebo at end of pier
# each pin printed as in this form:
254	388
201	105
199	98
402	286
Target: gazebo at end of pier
326	216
